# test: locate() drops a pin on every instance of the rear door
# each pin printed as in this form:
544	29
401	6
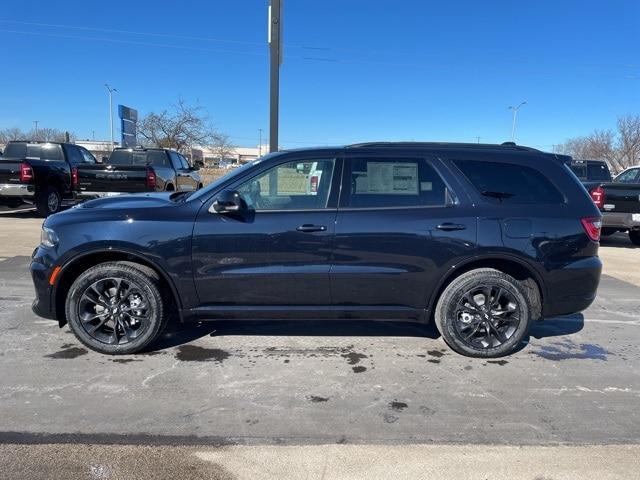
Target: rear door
398	224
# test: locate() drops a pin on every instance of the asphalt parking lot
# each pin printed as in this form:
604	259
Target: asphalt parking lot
220	399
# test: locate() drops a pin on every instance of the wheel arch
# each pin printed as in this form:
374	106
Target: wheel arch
78	264
511	265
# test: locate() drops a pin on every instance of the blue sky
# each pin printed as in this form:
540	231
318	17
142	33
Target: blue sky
354	70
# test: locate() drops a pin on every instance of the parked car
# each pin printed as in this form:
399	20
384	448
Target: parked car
130	170
480	239
41	173
618	200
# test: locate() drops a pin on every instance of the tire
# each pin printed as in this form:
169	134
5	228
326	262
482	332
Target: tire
48	202
139	286
634	236
508	320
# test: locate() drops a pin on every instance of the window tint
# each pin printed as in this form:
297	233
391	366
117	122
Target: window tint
580	169
388	182
45	151
183	162
73	155
175	160
519	184
297	185
156	158
598	172
628	176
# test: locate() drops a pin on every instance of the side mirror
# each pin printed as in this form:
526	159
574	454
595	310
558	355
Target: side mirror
229	201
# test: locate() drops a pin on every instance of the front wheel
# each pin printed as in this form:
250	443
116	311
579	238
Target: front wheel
116	308
634	236
484	313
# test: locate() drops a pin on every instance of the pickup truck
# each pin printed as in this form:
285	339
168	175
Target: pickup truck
618	199
131	170
41	173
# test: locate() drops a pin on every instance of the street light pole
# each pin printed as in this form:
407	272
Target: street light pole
260	143
110	90
275	32
515	115
36	131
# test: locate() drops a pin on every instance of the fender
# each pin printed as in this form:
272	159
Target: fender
124	251
453	270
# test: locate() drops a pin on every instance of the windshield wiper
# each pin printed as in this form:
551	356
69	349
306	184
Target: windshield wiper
499	195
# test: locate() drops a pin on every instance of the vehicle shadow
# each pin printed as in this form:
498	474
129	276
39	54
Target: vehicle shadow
178	334
619	240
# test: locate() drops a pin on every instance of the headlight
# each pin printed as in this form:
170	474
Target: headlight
48	237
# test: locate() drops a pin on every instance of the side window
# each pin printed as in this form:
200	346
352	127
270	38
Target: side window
183	162
391	182
88	157
157	158
297	185
175	160
515	184
629	176
74	155
45	151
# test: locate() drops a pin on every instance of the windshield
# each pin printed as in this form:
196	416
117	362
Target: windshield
203	193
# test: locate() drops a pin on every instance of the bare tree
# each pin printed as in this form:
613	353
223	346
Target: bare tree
628	142
13	133
221	146
183	127
621	149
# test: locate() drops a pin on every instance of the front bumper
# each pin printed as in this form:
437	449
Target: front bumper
44	303
17	190
621	220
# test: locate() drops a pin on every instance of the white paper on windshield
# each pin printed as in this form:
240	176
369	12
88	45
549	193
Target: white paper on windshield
392	178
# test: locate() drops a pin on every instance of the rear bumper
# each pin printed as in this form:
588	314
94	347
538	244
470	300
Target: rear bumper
572	288
623	221
17	190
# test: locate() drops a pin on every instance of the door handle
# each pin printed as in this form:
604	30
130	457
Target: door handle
449	227
311	228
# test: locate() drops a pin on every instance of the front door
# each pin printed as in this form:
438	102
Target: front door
398	225
278	252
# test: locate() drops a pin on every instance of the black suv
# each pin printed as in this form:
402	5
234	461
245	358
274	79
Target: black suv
480	239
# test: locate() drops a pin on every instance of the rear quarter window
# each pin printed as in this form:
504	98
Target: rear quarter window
519	184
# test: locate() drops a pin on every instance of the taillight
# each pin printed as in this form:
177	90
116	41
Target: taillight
597	195
26	173
592	226
314	184
74	177
151	179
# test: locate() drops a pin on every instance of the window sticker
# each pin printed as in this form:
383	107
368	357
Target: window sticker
389	178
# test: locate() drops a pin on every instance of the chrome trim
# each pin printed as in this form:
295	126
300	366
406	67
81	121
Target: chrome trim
17	190
90	195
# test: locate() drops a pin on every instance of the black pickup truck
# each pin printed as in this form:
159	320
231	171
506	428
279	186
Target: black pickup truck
48	174
618	199
131	170
41	173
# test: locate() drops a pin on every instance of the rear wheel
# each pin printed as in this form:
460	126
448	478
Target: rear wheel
48	202
634	236
484	313
116	307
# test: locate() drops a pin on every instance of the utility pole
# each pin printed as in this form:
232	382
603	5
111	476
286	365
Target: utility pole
275	49
93	135
110	90
515	115
36	131
478	139
260	143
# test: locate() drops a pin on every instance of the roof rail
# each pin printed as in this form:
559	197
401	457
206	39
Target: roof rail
488	146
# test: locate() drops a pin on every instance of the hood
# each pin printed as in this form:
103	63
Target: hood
128	201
